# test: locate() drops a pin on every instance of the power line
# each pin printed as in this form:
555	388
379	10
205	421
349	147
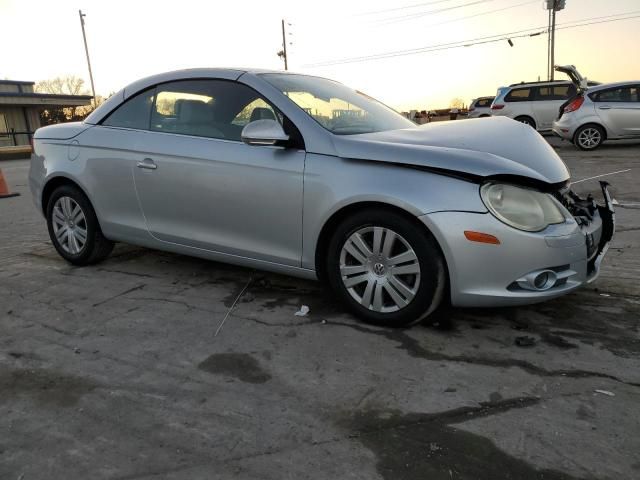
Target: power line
596	23
413	16
634	12
396	53
477	41
482	13
406	7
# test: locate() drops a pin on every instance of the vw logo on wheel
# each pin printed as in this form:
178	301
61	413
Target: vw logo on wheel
378	269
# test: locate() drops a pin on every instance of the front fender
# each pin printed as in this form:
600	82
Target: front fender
332	184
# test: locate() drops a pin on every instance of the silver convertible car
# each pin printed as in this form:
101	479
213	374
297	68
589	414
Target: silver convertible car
303	176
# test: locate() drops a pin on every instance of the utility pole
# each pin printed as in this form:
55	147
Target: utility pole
553	6
86	50
549	66
284	47
553	43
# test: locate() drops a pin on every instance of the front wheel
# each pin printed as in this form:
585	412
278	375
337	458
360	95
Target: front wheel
385	268
74	229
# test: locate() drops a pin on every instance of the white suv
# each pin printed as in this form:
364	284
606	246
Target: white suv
534	103
480	107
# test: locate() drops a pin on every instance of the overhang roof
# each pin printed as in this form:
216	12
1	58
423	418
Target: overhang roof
16	82
43	99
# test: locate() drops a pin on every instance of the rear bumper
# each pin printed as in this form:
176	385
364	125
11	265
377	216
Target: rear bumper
479	113
563	128
487	275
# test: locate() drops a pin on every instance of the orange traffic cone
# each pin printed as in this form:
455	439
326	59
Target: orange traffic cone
4	189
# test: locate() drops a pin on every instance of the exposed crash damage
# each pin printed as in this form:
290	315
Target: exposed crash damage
467	151
596	221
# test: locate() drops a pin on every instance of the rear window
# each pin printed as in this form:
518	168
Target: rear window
484	102
518	95
620	94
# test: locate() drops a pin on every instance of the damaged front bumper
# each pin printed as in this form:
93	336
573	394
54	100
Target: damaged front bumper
526	267
598	224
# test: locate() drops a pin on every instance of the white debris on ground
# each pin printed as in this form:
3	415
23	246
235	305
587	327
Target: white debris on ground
302	312
606	392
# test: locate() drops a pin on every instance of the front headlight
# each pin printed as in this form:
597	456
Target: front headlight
520	207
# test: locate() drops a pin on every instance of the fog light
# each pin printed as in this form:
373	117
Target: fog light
541	280
538	281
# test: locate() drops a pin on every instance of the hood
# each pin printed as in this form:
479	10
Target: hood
61	131
483	147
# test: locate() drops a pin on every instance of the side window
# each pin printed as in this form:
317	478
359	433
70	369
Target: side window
207	108
518	95
134	113
563	92
185	107
555	92
620	94
258	109
543	93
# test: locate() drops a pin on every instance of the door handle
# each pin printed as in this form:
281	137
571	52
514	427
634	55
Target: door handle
605	107
147	164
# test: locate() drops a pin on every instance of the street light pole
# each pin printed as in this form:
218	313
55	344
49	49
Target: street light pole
86	50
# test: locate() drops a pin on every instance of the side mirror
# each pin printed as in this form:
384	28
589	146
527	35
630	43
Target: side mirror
263	132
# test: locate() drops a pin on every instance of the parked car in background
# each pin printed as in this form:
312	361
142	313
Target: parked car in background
535	103
221	164
480	107
606	112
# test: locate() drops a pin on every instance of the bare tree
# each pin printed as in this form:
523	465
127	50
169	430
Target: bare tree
67	85
457	103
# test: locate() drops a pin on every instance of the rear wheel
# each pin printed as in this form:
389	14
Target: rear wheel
386	269
526	120
588	137
74	229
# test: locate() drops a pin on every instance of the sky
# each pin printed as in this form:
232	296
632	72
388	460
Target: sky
135	38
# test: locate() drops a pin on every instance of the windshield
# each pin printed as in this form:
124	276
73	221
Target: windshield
337	108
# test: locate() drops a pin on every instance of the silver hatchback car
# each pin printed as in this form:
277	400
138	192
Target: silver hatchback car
605	112
303	176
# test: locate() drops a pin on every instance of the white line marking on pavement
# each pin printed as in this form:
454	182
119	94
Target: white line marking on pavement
599	176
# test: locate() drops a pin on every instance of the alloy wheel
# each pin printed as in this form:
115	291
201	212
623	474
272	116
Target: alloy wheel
379	269
589	138
69	225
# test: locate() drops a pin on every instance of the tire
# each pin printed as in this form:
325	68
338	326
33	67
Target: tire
526	120
589	137
70	218
370	290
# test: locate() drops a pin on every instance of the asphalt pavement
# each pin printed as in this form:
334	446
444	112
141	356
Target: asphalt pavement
115	371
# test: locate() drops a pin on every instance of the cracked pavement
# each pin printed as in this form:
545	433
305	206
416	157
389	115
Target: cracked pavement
114	371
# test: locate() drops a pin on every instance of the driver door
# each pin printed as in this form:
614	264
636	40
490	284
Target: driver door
200	186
